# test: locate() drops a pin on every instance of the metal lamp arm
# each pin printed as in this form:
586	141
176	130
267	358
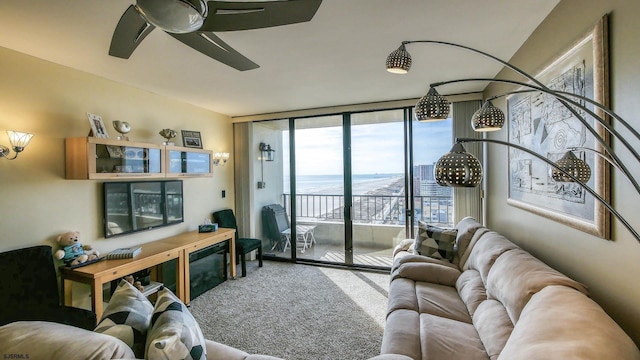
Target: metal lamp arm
506	64
4	152
564	172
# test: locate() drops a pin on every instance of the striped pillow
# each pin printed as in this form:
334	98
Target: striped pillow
127	317
174	332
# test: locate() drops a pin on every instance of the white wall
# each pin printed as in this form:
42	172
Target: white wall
50	101
609	268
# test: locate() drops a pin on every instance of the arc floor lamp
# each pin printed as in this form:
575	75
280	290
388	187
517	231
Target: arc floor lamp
461	169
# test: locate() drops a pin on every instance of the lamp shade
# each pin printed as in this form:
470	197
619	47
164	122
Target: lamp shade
432	107
19	140
458	168
487	118
574	166
399	61
174	16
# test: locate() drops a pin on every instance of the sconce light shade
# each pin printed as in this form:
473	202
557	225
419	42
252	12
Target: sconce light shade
220	158
432	107
174	16
268	153
19	140
574	166
487	118
458	168
399	61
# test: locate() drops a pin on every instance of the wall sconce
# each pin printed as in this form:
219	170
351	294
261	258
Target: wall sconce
220	158
268	153
18	140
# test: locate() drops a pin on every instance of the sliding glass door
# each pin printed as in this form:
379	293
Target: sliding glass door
353	185
377	185
319	201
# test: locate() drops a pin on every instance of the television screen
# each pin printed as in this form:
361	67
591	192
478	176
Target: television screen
141	205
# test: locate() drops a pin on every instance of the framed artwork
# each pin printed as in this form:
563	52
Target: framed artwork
97	126
541	123
191	139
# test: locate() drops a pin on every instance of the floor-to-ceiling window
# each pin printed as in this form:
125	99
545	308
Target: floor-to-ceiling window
352	185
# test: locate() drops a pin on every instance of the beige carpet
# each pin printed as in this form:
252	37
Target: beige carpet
297	312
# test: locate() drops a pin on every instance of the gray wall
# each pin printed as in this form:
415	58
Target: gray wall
609	268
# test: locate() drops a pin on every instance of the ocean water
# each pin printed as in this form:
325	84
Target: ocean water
315	183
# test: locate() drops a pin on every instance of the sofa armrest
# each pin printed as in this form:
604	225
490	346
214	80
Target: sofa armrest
436	273
47	340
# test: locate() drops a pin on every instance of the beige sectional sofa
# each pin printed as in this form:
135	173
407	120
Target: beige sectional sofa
493	301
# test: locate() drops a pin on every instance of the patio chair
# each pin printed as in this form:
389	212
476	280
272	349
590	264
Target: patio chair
278	229
29	290
275	222
226	219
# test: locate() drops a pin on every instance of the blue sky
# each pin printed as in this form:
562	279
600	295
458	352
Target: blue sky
376	148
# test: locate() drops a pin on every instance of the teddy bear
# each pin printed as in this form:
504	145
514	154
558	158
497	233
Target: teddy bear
137	284
72	252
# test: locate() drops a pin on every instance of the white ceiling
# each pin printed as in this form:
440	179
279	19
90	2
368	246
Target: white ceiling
335	59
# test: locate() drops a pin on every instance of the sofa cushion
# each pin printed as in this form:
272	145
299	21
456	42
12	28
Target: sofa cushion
441	300
471	290
561	323
485	252
174	333
493	325
402	334
47	340
466	228
127	317
435	242
427	272
517	275
443	338
402	295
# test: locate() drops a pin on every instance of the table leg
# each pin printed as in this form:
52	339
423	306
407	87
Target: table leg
182	278
67	297
96	298
232	254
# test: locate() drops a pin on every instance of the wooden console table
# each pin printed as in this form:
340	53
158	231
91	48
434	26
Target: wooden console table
153	253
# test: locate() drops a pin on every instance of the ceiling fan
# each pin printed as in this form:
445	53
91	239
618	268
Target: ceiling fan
194	21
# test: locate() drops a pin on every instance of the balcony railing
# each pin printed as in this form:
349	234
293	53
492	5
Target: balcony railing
372	209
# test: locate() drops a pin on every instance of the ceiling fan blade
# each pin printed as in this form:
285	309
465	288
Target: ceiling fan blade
230	16
129	33
215	48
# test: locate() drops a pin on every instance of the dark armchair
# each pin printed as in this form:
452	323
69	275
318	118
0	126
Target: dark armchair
226	219
29	290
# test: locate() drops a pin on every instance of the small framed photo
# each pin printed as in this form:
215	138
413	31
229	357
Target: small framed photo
191	139
97	126
115	152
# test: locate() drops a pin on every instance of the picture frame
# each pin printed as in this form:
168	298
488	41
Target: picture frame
115	152
541	123
97	126
191	139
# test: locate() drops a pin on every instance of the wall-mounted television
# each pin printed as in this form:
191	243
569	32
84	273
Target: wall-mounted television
141	205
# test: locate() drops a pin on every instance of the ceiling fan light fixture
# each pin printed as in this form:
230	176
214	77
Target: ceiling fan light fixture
174	16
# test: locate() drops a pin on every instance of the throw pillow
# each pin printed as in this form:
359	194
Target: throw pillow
127	317
435	242
174	332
